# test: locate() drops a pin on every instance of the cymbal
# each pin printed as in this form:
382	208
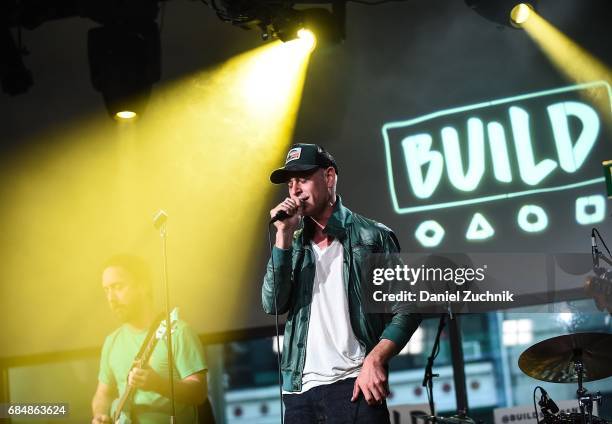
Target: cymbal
553	359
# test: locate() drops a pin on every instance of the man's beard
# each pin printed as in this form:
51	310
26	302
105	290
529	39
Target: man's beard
123	313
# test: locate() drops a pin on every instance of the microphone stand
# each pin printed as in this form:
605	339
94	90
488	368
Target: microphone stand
429	375
596	254
159	221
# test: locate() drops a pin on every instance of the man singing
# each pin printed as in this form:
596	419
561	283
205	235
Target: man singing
335	355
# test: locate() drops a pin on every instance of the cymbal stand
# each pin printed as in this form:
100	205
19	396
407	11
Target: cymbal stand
585	399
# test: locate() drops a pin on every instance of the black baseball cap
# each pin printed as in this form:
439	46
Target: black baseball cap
303	157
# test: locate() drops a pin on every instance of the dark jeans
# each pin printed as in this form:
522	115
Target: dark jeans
331	404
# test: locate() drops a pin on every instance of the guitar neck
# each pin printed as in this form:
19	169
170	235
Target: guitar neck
129	390
127	393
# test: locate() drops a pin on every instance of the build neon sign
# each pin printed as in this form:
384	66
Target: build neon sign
515	148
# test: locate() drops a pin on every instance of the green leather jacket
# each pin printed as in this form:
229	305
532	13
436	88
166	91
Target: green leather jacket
294	277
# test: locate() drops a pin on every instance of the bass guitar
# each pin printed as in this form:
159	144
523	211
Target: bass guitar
121	406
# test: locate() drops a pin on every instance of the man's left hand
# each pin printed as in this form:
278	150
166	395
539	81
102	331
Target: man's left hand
144	379
371	381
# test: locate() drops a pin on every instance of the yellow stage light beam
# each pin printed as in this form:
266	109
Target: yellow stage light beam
270	74
308	38
571	60
202	152
236	123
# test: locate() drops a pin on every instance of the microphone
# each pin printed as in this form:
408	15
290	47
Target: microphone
547	402
280	216
160	219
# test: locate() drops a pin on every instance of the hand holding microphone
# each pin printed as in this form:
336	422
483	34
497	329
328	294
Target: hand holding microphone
286	217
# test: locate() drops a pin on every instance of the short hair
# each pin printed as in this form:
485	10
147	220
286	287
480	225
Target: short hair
137	267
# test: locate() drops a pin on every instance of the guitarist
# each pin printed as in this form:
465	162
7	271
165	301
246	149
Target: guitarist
127	284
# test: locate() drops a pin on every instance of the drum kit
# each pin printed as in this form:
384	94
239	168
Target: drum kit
571	358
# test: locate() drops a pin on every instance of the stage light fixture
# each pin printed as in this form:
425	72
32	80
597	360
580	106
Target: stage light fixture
124	63
283	20
520	14
126	115
329	26
307	37
283	25
511	13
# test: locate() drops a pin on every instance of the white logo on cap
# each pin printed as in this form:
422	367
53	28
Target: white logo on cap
293	154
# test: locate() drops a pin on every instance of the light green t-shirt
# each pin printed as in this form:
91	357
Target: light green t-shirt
120	349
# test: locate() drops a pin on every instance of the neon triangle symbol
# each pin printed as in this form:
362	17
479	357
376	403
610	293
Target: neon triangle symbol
479	228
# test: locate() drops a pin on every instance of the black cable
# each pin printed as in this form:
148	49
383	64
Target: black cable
603	242
535	408
278	350
429	375
162	14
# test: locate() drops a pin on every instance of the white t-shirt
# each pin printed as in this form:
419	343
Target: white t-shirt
333	352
